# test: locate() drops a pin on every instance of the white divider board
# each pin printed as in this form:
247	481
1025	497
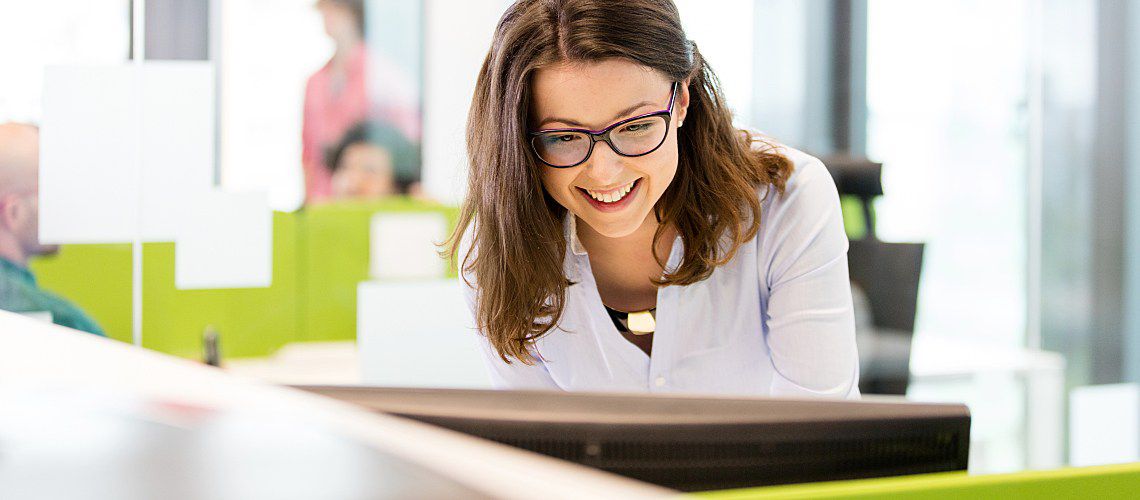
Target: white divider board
88	149
177	143
1104	424
418	334
99	123
227	243
402	245
98	120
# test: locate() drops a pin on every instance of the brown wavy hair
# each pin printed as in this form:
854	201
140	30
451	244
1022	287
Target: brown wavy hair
517	243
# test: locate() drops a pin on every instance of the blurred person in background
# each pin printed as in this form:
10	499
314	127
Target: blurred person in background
19	232
373	160
336	95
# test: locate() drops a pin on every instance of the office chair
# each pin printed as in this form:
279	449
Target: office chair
888	275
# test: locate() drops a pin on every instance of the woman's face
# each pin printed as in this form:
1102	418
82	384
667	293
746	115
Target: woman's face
593	96
364	171
339	20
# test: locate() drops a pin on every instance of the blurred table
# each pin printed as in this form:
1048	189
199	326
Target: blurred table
1016	396
299	363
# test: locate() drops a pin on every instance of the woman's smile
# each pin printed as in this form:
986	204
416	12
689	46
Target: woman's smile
611	200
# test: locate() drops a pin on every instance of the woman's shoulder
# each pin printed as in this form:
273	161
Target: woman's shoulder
809	180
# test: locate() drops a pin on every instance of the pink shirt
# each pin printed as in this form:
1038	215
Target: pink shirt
332	106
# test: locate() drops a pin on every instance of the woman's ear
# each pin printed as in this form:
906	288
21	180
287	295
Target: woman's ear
682	104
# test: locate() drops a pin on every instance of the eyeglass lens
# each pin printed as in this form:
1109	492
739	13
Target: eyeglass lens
634	138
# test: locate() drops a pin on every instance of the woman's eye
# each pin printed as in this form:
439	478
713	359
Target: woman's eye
637	127
553	139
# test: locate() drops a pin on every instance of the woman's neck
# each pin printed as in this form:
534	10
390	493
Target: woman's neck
344	50
635	246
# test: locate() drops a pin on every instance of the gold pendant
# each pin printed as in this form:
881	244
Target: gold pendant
641	323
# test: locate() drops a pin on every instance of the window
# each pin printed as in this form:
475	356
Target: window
34	35
955	155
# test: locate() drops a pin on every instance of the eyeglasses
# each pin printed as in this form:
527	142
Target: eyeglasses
632	137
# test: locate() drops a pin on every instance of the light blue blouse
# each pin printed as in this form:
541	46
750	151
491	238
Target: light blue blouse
776	320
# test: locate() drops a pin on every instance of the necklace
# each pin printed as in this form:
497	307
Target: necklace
637	322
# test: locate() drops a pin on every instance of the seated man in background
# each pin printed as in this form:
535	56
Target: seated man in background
371	161
19	232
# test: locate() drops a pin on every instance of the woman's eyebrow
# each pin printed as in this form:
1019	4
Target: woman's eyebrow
575	123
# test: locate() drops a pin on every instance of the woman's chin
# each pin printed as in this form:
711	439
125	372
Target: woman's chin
612	228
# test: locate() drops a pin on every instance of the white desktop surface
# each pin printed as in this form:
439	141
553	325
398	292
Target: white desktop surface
303	363
45	360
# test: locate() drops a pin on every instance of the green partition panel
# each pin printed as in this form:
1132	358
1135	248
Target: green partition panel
320	254
1110	481
851	207
250	321
335	257
97	278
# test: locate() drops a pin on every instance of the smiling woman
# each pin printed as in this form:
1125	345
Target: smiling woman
621	234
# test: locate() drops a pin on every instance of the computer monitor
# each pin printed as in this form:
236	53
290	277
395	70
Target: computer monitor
696	443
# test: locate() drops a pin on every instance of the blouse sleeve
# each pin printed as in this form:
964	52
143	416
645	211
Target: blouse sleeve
516	375
810	322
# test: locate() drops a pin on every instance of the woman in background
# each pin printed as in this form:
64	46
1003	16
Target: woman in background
336	96
355	85
372	161
620	234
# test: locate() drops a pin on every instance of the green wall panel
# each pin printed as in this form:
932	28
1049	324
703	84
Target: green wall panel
320	254
335	257
97	278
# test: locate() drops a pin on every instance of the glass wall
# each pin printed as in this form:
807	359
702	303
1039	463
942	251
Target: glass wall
955	156
34	35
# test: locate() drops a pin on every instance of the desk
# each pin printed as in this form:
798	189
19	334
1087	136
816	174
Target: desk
299	363
97	418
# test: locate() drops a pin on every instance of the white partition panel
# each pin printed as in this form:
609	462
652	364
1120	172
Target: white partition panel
228	243
418	335
403	245
88	149
107	131
177	143
1104	424
100	123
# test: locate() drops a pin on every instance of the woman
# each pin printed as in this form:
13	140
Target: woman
620	235
336	96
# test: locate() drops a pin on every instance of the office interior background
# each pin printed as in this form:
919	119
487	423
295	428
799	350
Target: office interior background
1006	133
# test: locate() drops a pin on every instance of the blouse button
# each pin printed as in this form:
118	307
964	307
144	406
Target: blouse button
660	381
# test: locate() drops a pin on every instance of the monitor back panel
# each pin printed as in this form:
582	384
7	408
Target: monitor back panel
695	443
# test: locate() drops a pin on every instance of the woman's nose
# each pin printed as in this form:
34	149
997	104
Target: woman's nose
605	165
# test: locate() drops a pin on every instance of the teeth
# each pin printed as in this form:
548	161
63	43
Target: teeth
612	195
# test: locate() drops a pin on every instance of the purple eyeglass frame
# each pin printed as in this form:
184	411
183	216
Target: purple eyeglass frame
604	134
